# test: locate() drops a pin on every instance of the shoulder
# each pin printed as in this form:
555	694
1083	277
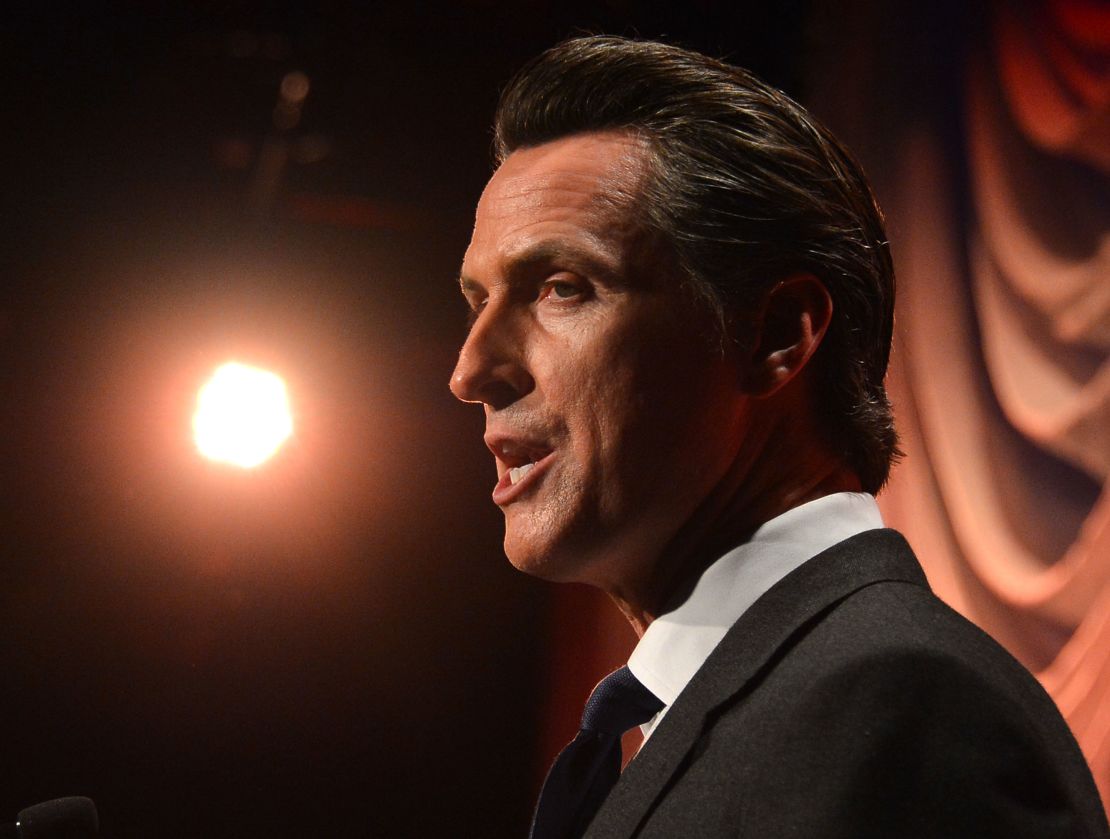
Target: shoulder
850	701
886	619
891	707
893	655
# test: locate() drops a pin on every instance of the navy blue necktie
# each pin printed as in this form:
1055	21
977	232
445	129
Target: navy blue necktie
589	766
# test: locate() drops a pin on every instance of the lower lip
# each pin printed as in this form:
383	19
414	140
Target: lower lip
506	492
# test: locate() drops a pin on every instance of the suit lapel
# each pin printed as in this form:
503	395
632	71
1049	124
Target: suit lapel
736	663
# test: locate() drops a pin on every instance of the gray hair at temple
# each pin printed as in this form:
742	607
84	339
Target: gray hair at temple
746	188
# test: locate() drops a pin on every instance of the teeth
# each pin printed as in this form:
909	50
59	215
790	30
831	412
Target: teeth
518	472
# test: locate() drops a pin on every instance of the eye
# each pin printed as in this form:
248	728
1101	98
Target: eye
563	289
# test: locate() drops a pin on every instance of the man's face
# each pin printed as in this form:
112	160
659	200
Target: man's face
610	408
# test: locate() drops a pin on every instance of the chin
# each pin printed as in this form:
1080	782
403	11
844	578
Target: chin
563	557
533	561
540	555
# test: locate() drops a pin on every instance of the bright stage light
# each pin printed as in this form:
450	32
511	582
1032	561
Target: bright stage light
242	415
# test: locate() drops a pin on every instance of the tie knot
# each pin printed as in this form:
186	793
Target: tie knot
618	703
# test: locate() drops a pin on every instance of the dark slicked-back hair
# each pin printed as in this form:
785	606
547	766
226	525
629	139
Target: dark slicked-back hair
746	188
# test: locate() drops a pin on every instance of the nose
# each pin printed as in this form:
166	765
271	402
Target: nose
492	369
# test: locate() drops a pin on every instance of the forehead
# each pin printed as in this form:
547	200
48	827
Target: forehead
605	167
578	190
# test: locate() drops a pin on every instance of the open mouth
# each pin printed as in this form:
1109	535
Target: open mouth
517	473
523	464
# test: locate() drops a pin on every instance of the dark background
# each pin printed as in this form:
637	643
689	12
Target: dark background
333	644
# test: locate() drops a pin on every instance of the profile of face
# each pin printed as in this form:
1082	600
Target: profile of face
611	409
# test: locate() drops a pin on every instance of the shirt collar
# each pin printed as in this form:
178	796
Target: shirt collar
676	644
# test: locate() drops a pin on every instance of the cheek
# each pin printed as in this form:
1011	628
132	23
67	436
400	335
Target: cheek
637	398
678	415
616	408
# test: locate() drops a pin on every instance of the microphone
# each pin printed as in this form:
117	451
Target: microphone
73	817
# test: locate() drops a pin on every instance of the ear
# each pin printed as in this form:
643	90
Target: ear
789	325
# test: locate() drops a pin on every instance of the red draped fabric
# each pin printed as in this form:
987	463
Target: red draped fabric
988	139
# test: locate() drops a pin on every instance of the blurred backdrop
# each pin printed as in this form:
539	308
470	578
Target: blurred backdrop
333	644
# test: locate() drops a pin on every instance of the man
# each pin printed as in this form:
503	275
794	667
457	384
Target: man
682	304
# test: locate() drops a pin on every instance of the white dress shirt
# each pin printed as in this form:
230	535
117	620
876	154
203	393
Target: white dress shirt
676	644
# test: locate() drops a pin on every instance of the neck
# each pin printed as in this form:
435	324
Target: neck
774	471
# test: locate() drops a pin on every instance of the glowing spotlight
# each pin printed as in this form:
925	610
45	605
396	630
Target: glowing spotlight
242	415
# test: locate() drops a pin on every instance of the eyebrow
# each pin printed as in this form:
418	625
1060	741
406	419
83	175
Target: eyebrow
469	286
545	253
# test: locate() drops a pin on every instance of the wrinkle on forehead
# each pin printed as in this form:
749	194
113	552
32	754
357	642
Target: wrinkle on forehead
578	180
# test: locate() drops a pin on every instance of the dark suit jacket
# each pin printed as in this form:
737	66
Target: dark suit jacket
850	702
